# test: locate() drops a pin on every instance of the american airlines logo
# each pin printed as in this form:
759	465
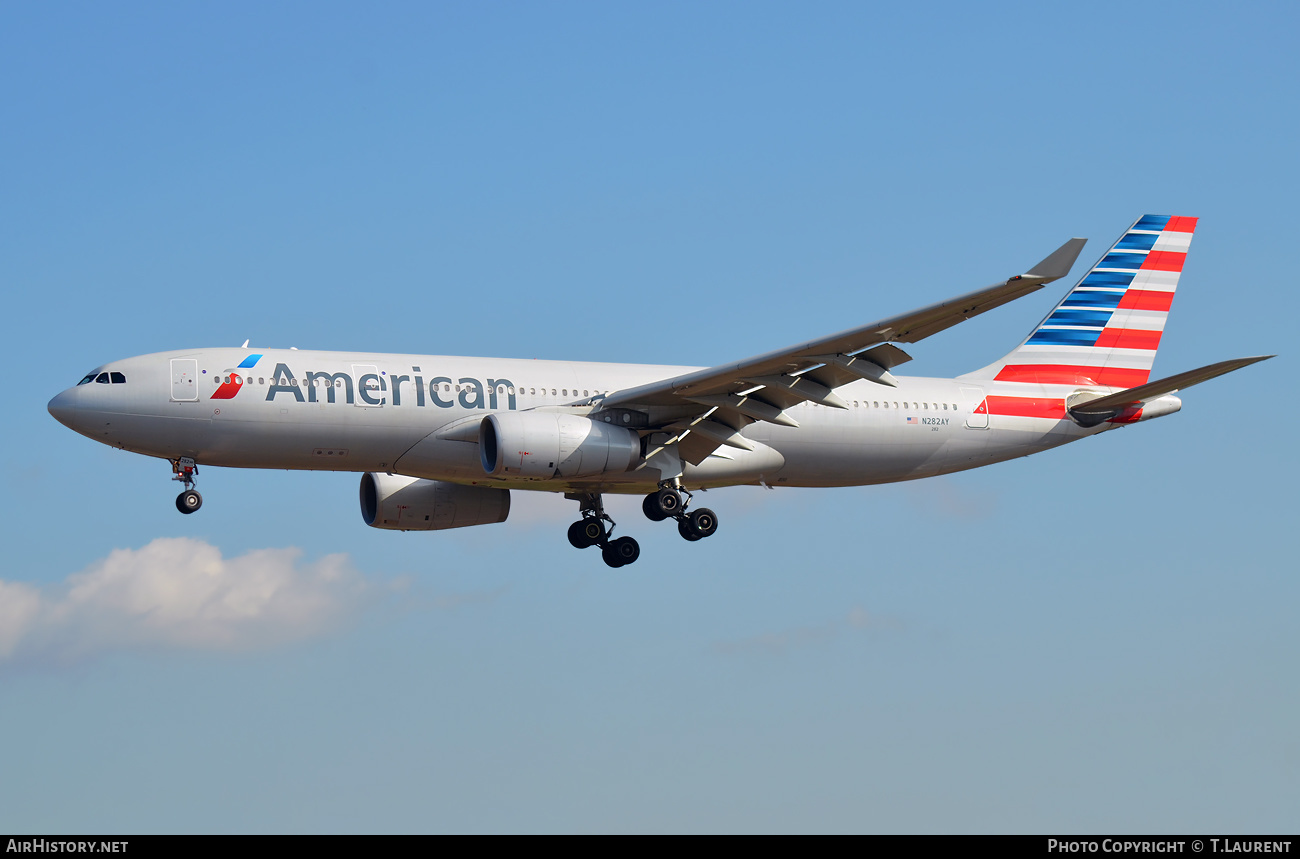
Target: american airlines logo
231	381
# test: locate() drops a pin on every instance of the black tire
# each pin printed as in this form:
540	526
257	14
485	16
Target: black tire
650	507
189	501
611	557
669	502
687	530
704	522
594	531
578	535
626	550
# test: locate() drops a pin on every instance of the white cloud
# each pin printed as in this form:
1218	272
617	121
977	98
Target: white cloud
181	593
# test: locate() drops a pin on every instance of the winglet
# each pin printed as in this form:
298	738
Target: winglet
1058	263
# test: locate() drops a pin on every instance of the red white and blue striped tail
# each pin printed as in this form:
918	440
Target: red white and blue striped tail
1105	331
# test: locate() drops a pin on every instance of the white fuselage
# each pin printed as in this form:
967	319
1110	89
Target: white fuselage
418	414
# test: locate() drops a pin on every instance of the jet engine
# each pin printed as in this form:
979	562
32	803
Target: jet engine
545	445
398	503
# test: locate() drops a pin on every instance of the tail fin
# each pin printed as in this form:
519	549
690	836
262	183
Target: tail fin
1106	330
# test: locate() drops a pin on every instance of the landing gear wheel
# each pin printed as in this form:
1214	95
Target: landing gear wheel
703	522
577	539
668	501
189	501
650	507
687	530
621	552
585	533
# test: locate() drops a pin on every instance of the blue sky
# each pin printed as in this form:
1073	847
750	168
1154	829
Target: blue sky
1097	639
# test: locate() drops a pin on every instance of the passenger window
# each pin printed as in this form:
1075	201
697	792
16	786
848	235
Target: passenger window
584	393
102	379
261	380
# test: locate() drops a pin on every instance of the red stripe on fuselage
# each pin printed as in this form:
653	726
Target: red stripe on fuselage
1145	299
1165	261
1128	338
1027	407
1070	374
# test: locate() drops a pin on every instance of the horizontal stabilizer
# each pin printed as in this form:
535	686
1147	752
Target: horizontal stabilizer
1152	390
1059	262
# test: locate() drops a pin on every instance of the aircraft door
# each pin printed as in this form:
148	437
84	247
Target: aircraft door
979	416
372	388
185	383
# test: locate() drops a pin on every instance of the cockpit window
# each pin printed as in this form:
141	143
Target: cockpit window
90	377
102	378
118	378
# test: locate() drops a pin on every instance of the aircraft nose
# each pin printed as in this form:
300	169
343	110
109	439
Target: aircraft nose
64	408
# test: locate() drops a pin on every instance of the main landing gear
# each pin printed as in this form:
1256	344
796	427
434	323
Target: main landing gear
591	530
595	527
667	503
185	470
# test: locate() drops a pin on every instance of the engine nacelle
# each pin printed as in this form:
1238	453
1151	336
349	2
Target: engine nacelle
399	503
545	445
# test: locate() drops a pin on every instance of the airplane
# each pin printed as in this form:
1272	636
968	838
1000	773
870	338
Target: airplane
441	441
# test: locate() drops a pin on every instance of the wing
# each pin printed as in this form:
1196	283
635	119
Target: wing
708	408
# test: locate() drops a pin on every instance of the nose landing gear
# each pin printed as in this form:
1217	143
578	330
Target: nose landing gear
591	530
185	470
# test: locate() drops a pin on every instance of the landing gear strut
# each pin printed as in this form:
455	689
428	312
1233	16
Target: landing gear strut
185	470
591	530
667	503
